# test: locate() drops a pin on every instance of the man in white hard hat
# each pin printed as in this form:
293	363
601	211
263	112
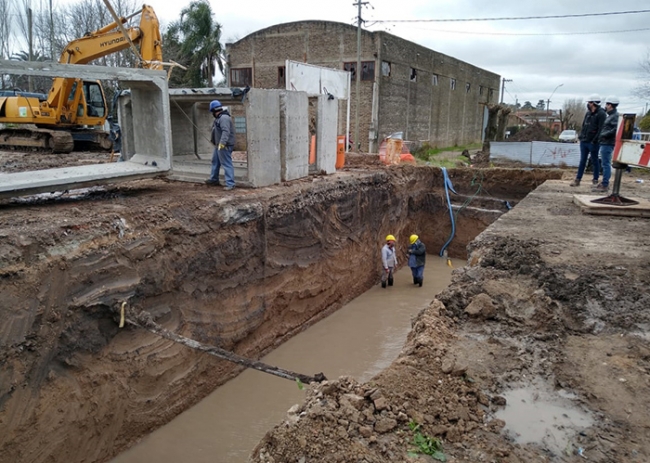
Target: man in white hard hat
607	140
591	126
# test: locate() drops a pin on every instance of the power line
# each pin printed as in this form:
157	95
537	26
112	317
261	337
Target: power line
532	34
513	18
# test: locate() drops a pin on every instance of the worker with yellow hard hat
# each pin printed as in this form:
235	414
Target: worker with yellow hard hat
417	257
389	261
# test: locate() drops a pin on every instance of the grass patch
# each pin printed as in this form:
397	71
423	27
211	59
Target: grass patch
426	445
449	157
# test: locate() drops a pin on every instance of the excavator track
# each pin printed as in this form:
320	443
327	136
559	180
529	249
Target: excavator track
52	141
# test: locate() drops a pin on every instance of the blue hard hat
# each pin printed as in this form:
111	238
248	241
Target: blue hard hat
214	105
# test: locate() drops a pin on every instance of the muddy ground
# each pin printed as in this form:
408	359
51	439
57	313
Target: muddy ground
551	297
552	301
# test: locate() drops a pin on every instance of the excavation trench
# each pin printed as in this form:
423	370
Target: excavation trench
244	273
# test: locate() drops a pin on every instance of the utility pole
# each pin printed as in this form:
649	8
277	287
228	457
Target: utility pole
503	87
357	140
30	41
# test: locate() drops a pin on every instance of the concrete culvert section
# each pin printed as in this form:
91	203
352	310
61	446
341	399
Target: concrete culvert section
243	272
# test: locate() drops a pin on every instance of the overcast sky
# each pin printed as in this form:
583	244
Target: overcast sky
606	63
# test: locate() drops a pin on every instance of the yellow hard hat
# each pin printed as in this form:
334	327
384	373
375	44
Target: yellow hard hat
413	239
390	238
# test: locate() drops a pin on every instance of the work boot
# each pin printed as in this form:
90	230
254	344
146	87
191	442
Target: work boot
415	280
390	281
600	188
212	182
576	182
420	282
594	181
383	284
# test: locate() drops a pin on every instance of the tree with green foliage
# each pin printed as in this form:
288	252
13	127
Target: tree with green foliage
644	123
527	106
194	42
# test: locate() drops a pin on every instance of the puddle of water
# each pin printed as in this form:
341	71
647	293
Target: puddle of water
534	415
359	340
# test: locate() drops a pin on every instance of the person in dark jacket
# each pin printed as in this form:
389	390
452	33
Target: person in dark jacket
591	126
417	257
223	139
607	140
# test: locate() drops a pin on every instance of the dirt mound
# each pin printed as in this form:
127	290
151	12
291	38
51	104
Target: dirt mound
425	398
533	132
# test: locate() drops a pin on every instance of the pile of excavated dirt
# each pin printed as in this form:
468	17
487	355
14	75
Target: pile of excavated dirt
534	132
552	301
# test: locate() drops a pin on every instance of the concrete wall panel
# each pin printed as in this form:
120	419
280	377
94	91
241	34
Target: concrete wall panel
294	135
326	133
263	124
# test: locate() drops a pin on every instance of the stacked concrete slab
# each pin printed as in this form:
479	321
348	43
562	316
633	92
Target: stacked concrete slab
150	134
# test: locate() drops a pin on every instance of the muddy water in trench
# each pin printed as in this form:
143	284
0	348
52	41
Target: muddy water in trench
359	340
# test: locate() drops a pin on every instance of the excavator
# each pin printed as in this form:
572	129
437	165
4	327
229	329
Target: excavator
68	112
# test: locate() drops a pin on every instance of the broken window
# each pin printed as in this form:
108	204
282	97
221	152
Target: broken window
241	77
434	79
367	70
385	68
468	87
452	84
414	75
282	77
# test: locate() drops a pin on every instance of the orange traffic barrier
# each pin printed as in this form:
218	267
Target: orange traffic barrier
312	150
340	151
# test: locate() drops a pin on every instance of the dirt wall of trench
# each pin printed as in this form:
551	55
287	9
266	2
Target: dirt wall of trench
242	272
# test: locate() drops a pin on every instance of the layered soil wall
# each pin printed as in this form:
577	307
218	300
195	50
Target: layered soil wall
242	272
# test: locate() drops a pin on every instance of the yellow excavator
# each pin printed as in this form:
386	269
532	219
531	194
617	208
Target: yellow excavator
68	113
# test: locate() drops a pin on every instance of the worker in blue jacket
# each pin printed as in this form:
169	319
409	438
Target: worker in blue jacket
417	257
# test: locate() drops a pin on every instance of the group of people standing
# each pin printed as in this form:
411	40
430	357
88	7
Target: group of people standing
417	253
598	136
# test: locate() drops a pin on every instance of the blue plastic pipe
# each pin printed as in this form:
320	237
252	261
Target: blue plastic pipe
448	186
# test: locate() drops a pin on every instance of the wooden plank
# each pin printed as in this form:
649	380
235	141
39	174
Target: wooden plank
637	210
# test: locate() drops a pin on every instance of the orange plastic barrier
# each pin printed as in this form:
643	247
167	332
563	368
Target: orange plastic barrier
312	150
340	151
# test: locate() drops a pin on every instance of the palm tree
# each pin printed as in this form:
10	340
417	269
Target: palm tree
198	37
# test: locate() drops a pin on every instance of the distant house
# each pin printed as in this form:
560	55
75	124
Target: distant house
405	87
550	119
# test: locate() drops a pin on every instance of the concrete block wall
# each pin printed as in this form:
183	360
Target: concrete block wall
294	135
263	136
326	133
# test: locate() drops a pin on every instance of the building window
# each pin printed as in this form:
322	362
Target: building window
452	84
468	87
282	77
480	90
240	124
367	70
414	75
434	80
385	68
490	93
241	77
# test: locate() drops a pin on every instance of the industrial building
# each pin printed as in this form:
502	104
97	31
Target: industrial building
405	87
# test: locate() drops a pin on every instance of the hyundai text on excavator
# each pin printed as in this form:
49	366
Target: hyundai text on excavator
74	105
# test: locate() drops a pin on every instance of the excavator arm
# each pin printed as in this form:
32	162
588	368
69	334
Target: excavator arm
106	41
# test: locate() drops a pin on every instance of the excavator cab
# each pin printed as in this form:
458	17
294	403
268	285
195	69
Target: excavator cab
95	101
89	101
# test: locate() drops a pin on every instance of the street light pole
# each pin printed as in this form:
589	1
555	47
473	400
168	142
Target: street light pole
548	105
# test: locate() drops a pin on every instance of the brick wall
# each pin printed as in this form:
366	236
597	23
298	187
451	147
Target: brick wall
407	99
